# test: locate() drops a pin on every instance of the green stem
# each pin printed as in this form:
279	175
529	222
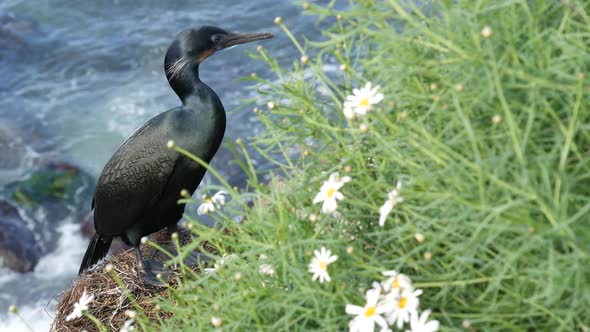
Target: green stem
132	299
29	327
290	35
442	284
101	327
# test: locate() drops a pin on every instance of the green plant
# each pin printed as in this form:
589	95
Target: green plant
485	123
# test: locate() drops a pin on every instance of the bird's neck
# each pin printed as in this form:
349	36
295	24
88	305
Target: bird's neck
187	83
201	119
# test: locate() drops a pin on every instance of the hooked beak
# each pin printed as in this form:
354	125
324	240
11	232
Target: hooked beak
232	39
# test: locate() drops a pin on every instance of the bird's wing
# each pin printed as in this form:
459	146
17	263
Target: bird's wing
133	135
133	179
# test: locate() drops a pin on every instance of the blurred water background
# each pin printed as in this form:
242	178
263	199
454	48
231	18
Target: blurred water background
76	78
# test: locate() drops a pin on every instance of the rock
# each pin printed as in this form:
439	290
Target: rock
55	192
53	183
56	182
18	248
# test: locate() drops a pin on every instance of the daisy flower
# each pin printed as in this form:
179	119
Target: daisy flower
212	203
127	326
420	323
319	264
396	282
361	101
393	199
80	306
367	316
329	192
220	262
401	306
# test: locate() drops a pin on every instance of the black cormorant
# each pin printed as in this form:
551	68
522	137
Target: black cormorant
138	189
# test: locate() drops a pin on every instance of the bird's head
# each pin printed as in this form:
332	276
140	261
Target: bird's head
193	46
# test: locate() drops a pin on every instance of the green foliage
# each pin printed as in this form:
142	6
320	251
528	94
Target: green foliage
489	137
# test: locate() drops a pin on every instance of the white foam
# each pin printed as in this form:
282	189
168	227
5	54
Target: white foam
65	258
125	114
56	268
34	315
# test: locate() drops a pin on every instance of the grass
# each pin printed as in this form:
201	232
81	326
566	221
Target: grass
488	133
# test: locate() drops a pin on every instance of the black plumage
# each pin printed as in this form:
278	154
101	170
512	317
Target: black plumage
138	189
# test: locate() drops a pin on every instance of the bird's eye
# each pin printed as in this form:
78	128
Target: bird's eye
215	39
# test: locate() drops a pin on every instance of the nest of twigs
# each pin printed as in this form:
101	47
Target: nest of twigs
110	300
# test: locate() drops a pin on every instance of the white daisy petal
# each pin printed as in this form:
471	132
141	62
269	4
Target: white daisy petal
212	203
375	89
319	264
384	212
352	309
329	206
361	110
80	306
219	197
369	315
401	306
420	323
320	197
393	198
361	100
127	326
329	193
381	322
376	98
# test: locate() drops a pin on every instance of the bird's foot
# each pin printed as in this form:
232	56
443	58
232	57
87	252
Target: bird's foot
154	273
193	259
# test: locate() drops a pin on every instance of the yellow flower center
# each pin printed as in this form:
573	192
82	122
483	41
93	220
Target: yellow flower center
402	302
370	311
331	192
208	201
364	102
323	266
395	283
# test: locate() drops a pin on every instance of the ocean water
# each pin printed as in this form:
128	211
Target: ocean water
77	77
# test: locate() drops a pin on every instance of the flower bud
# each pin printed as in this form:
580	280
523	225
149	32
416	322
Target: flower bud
486	32
216	321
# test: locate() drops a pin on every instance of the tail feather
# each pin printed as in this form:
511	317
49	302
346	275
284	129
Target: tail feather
97	249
